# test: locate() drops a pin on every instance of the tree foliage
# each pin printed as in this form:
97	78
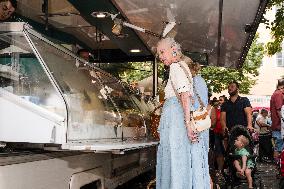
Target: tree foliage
217	78
276	26
132	71
138	71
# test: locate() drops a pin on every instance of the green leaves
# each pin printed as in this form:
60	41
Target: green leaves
138	72
276	26
133	71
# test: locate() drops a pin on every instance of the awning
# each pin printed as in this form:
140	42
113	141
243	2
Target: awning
223	30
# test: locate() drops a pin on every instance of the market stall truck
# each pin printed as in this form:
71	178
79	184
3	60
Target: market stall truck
63	122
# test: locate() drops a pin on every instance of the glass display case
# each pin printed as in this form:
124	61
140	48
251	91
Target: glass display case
92	110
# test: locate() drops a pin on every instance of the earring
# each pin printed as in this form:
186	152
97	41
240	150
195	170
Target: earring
174	54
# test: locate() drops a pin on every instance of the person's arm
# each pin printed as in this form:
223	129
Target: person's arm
261	123
213	117
248	112
182	87
279	103
223	122
185	100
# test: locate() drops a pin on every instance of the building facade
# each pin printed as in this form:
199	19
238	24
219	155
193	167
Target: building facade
272	67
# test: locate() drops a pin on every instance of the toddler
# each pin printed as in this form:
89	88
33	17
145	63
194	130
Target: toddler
245	165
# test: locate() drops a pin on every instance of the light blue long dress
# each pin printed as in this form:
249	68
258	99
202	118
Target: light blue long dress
200	150
180	163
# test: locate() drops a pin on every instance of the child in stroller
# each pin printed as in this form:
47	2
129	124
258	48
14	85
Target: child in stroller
240	156
244	165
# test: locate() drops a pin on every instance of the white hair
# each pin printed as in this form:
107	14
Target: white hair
170	42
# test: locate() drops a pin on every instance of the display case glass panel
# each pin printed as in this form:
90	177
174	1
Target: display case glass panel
99	107
23	75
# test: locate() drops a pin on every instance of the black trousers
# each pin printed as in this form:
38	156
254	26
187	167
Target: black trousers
265	146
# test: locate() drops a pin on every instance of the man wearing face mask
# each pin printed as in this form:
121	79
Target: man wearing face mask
236	111
7	8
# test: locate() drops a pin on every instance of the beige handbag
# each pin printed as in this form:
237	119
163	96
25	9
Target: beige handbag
200	118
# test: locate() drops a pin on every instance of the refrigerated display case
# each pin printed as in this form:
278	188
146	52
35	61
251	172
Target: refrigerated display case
45	97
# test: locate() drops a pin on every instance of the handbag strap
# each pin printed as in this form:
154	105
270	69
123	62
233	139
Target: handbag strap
194	89
177	95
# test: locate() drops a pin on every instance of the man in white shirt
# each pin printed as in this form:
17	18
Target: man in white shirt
265	145
261	122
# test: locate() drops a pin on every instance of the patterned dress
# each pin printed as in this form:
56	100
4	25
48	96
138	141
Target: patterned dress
180	163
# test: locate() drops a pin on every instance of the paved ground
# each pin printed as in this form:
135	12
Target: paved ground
140	182
267	173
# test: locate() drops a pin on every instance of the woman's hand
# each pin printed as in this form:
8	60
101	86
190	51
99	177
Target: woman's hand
225	131
192	136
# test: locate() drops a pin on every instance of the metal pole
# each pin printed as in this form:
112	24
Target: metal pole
45	4
219	31
155	78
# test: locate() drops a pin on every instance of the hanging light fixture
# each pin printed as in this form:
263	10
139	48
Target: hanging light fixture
117	27
100	14
119	23
135	50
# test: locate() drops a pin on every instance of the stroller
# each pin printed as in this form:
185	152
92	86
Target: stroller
234	181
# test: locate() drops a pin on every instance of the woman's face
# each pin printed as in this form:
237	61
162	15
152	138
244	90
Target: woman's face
164	55
167	54
6	10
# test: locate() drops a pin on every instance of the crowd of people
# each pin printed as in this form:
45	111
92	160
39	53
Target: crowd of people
225	115
236	130
264	127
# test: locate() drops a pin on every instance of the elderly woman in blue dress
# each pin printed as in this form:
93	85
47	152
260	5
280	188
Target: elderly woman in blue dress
182	159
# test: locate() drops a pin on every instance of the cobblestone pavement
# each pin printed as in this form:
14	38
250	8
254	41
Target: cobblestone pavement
267	173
